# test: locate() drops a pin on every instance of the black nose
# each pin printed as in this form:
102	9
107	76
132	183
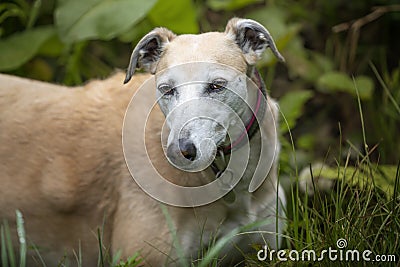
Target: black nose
188	149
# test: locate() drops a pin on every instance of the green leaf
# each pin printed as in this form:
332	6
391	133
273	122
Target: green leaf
335	81
21	47
177	15
306	141
382	176
365	86
291	106
307	64
230	5
272	18
134	34
8	10
33	15
52	47
300	63
323	62
98	19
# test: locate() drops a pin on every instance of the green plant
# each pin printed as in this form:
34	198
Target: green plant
132	261
66	50
8	257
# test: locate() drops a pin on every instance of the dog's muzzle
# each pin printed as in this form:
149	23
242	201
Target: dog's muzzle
188	149
182	152
185	155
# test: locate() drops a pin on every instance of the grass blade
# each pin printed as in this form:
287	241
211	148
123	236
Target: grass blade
22	239
116	258
9	245
34	13
175	240
4	258
35	248
101	256
387	91
78	256
212	254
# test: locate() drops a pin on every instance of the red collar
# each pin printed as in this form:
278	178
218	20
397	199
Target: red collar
252	125
219	164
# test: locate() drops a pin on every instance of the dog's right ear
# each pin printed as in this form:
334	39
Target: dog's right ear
252	38
148	51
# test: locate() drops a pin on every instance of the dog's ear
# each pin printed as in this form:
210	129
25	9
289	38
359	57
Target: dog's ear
252	38
147	52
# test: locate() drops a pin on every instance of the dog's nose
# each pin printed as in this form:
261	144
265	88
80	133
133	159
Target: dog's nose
187	149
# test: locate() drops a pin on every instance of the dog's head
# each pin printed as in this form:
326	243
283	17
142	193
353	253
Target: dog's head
201	84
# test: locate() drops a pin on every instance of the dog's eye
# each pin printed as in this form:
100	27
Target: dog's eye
166	89
217	85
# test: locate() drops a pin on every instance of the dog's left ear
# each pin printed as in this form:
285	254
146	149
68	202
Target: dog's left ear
148	51
252	38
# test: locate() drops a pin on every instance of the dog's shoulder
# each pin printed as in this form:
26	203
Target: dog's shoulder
68	138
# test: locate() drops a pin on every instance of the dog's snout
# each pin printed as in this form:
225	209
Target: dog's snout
187	149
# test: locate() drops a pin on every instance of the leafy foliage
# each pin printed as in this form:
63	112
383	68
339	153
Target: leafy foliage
339	82
219	5
177	15
291	105
132	261
78	20
20	47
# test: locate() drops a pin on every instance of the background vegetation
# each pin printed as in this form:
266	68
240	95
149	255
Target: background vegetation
339	90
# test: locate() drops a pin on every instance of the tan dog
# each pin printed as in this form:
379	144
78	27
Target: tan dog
62	162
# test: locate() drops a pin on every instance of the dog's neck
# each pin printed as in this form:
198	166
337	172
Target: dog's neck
250	119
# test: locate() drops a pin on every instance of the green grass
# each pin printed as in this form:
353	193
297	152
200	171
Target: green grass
359	208
8	257
366	217
362	216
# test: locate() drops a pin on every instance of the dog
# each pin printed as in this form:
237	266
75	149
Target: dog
64	166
